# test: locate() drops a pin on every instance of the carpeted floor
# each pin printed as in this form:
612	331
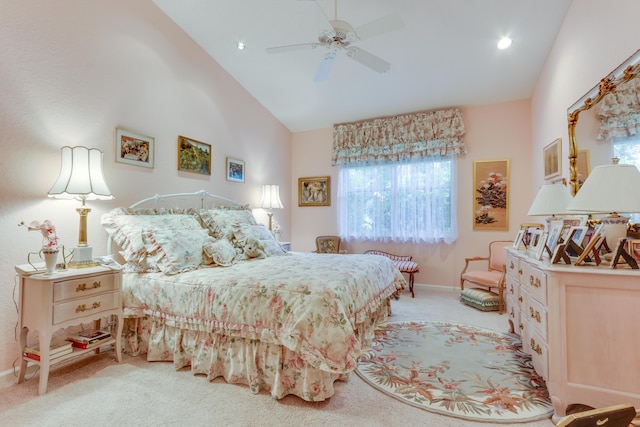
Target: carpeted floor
97	391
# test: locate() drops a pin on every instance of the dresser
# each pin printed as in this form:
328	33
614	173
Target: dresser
581	327
64	298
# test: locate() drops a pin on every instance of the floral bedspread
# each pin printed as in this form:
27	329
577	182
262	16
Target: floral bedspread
322	307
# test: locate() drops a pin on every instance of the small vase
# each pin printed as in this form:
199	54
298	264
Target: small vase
50	259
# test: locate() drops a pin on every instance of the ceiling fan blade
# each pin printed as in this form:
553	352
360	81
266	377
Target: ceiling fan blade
325	67
368	59
292	47
379	26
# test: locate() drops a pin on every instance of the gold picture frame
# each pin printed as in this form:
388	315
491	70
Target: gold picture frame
194	156
491	194
314	191
552	155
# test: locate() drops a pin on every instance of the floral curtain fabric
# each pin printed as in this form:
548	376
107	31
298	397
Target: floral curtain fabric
399	138
619	111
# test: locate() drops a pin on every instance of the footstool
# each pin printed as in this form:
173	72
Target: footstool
481	299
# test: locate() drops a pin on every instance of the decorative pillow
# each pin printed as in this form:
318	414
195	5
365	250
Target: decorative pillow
125	226
221	252
256	241
221	221
175	250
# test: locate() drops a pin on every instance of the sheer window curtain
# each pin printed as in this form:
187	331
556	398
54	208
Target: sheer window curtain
401	202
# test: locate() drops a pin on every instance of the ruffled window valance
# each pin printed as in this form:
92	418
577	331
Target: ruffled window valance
619	111
399	138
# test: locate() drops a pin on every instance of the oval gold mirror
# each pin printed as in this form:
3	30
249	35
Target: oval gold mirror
605	110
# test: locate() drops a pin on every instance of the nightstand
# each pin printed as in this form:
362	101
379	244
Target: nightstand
64	298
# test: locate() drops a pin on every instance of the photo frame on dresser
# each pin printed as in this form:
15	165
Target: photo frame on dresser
537	248
553	238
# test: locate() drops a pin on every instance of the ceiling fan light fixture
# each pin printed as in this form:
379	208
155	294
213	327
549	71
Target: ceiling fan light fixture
504	43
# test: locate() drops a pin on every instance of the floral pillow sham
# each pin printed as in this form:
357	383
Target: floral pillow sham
222	221
126	227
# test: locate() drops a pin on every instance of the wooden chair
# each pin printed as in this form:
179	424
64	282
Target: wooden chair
494	275
328	245
404	263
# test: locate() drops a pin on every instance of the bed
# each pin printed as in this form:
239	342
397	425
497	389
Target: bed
206	287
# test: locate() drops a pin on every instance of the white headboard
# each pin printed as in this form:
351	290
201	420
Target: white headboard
185	200
199	200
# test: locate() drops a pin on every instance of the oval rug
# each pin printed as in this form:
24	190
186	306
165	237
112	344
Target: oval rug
456	370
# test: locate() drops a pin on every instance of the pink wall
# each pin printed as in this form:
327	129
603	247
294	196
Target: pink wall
596	36
74	71
492	132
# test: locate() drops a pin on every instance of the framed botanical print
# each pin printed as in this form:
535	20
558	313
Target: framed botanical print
315	191
134	149
491	194
194	156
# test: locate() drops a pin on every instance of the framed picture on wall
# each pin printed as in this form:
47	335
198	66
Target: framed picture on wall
315	191
552	154
194	156
491	194
134	149
235	170
583	166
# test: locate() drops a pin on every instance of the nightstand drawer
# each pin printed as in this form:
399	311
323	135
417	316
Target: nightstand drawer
77	308
86	286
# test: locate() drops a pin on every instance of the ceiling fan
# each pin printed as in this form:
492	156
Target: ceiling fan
342	37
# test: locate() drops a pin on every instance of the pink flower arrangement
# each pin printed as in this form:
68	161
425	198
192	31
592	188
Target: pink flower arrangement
48	231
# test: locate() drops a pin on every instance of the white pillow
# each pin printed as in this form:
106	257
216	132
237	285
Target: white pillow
221	252
175	250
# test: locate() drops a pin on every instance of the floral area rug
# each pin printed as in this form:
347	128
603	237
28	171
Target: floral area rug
457	370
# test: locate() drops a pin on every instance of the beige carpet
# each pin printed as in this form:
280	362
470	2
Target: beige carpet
98	391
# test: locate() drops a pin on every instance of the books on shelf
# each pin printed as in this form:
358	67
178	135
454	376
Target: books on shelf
54	356
54	348
88	339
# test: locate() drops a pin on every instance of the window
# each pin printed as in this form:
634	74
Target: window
401	202
628	151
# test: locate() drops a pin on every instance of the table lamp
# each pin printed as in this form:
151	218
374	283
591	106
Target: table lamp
612	189
81	178
550	201
271	200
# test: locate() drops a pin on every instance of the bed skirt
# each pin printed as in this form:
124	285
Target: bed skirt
260	365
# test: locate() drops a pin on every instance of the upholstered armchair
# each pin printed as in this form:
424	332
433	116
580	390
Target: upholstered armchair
494	275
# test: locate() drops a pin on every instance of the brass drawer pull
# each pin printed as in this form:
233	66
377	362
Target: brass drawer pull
83	307
536	347
535	314
83	286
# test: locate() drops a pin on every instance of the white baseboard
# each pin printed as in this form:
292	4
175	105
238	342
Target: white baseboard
10	376
437	287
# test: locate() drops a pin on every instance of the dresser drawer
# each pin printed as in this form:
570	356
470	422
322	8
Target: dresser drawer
537	348
77	308
537	316
86	286
535	281
513	266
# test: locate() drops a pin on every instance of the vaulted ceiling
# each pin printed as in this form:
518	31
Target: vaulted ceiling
443	55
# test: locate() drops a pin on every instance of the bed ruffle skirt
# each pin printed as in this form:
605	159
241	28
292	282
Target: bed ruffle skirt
259	365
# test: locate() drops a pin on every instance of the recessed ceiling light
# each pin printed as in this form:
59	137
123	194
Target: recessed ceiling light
504	43
240	45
